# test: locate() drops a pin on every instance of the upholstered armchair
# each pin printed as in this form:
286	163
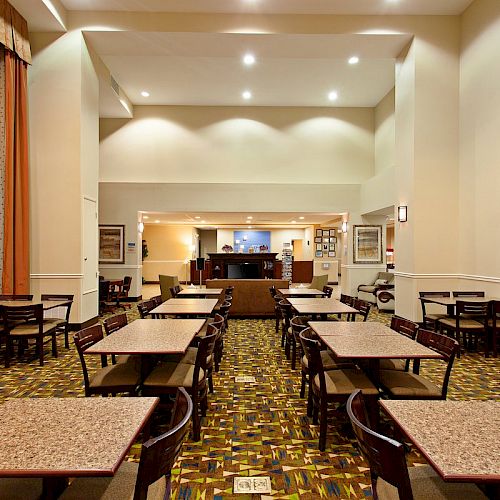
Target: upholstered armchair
318	282
383	281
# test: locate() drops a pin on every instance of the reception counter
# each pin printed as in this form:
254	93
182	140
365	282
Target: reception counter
251	298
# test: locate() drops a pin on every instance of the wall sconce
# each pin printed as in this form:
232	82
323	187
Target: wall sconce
402	213
344	227
140	227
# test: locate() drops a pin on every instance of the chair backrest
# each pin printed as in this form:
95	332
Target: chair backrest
114	323
83	340
145	308
16	297
478	309
104	291
224	310
57	311
159	454
363	307
127	281
206	346
217	321
157	300
311	345
385	456
327	290
461	293
298	324
12	315
347	299
165	283
444	345
495	314
404	327
318	282
286	311
383	275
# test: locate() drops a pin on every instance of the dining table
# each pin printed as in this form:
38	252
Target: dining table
55	439
321	307
200	292
300	292
46	304
185	307
451	302
349	328
459	439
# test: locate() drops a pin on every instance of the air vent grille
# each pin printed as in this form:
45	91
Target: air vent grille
114	85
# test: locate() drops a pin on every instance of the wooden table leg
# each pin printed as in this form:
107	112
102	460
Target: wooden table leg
52	487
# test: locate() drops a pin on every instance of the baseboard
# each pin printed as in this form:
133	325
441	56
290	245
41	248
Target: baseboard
75	327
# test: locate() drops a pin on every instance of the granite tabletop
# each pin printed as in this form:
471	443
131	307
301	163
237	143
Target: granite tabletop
321	306
182	306
460	439
377	346
47	304
287	292
69	436
352	328
150	336
200	291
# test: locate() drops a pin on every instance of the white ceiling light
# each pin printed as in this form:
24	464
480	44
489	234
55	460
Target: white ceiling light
248	59
294	222
301	218
144	93
249	227
333	95
145	217
249	217
246	95
203	222
197	217
354	60
157	221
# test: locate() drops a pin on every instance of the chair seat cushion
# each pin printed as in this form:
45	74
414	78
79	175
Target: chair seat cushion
392	364
54	321
20	489
426	485
463	323
327	360
190	357
172	375
436	317
367	288
119	487
345	381
32	329
119	375
400	383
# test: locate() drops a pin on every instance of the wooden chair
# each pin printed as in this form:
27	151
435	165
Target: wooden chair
328	290
411	385
167	377
229	291
470	319
465	294
173	291
151	477
106	301
277	311
123	292
145	308
113	324
347	300
430	320
390	477
272	291
493	328
286	316
363	307
297	324
59	316
408	329
114	379
157	300
332	386
22	323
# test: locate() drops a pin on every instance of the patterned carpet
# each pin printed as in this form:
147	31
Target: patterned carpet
260	428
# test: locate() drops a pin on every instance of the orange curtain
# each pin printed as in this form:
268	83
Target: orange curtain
15	276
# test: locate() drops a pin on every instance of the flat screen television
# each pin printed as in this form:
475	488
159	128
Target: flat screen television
244	270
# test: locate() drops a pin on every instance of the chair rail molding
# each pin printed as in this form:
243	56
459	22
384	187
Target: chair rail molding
119	266
56	276
472	277
363	266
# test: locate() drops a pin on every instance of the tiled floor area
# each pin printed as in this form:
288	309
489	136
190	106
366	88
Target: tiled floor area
257	428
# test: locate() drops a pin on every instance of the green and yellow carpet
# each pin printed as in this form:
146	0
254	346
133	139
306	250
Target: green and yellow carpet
259	428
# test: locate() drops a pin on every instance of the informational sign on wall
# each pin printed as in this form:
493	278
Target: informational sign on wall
131	247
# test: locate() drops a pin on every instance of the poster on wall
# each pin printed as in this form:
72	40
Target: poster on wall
111	244
367	244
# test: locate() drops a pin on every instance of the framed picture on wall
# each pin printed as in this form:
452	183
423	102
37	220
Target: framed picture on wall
325	247
111	244
367	244
326	232
318	246
326	240
331	247
319	232
318	253
331	254
317	240
333	239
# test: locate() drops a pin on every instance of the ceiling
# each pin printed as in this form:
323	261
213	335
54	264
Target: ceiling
212	220
355	7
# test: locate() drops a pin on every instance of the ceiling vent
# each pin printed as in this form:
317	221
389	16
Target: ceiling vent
115	86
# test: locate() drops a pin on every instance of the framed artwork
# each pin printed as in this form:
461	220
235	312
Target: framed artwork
318	246
318	253
111	244
319	232
325	247
367	241
333	240
331	254
331	247
326	232
317	240
326	240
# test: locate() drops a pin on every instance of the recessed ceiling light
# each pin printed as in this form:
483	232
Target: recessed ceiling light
145	217
248	59
333	95
144	93
197	217
246	95
249	217
203	222
294	222
353	60
301	218
157	221
249	227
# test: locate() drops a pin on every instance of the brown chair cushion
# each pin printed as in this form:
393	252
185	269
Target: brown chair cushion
345	381
426	485
32	329
116	375
392	364
20	489
119	487
172	375
408	384
463	323
190	357
436	317
54	321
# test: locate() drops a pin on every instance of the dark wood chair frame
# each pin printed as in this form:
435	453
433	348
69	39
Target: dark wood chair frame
64	327
122	293
428	322
363	307
146	307
113	324
407	328
493	327
297	324
327	290
286	316
466	294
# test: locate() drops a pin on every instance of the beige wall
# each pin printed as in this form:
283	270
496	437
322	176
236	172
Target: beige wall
240	144
385	133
